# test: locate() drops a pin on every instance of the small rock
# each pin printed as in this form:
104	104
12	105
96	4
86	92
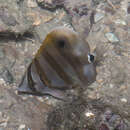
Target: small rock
1	116
112	121
128	9
1	53
89	114
103	127
120	21
40	1
111	86
7	18
98	16
49	4
111	37
1	128
40	99
3	124
123	88
32	3
124	100
81	10
108	115
92	95
22	127
2	81
8	77
2	69
121	126
115	120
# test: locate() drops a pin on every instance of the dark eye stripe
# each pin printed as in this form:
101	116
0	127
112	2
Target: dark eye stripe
35	75
53	78
41	73
52	62
63	63
75	63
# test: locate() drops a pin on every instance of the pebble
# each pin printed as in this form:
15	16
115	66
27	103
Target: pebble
8	77
7	18
111	37
111	86
1	128
89	114
108	115
120	21
98	16
4	124
124	100
93	95
22	127
103	127
3	120
128	9
2	81
40	99
23	97
40	1
123	88
1	53
32	4
1	69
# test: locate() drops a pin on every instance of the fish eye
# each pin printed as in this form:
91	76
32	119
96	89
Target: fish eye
91	58
61	43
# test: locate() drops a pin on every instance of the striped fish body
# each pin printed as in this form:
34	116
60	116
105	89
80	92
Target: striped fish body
60	64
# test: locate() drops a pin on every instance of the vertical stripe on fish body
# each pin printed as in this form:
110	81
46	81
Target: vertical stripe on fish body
62	63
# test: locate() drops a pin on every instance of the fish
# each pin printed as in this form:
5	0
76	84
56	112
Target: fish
62	63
